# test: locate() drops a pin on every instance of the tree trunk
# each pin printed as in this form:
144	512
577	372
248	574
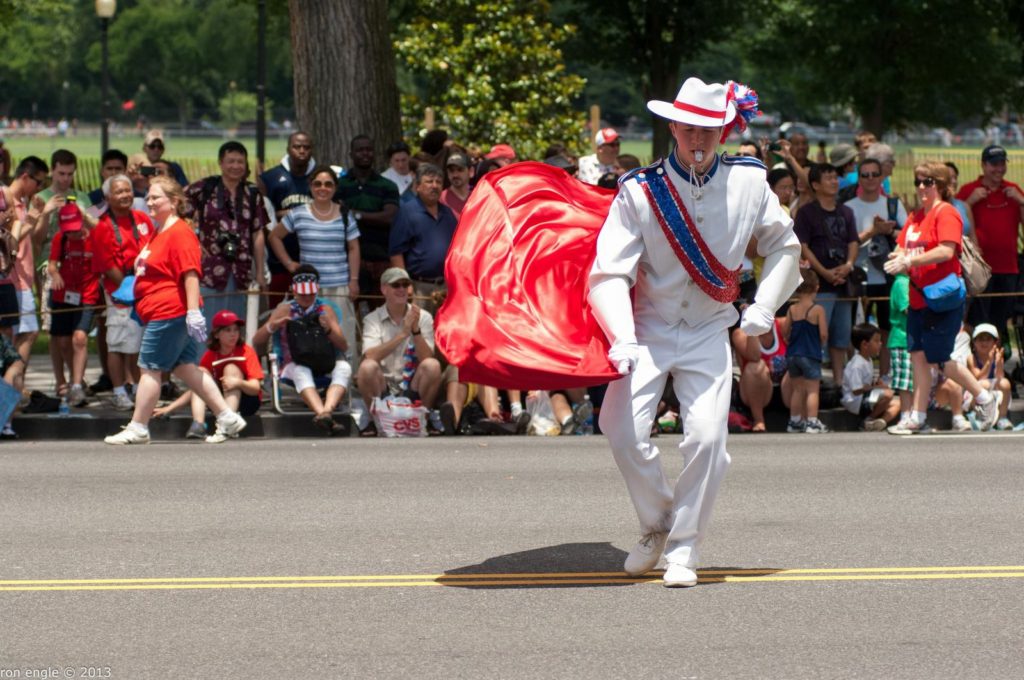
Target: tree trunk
664	87
344	70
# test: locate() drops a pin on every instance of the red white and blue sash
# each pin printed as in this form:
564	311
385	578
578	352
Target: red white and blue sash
719	282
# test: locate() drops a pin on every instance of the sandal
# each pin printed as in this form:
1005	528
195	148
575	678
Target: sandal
369	431
324	422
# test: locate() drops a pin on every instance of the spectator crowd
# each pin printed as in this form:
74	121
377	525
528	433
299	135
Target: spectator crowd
346	264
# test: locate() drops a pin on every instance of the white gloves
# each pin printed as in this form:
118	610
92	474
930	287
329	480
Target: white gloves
897	264
757	320
624	356
613	310
196	325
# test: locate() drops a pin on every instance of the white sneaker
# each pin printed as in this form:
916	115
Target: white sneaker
230	425
815	426
1004	424
988	413
961	424
905	426
128	435
874	424
679	576
122	402
645	554
217	437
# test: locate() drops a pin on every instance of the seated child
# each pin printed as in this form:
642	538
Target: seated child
863	394
236	370
986	362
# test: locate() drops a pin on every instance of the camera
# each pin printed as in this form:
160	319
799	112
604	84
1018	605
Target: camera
228	242
775	146
147	171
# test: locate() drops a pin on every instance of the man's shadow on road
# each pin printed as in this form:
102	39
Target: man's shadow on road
569	565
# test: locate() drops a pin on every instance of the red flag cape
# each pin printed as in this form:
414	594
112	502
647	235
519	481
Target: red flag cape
516	316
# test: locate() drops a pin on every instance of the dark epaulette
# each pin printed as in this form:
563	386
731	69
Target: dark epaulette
743	160
635	171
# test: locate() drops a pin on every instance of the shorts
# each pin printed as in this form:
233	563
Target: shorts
902	370
166	345
302	376
8	306
934	333
803	367
8	355
65	323
27	322
248	405
869	400
840	319
124	334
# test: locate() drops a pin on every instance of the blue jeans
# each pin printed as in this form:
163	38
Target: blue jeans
840	319
166	344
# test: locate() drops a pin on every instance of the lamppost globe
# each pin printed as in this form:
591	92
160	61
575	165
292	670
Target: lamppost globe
105	8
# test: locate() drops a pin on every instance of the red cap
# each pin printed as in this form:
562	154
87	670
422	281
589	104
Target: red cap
225	317
605	136
501	151
69	218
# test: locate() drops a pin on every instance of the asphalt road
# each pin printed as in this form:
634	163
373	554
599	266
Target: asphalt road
835	556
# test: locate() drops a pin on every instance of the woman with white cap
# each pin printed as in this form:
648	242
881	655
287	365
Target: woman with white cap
676	235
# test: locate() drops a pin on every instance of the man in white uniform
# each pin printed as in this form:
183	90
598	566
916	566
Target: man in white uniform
676	234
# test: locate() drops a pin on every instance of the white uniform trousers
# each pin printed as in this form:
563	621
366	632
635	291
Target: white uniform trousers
700	362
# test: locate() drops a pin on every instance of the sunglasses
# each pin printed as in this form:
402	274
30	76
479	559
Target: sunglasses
870	175
320	184
156	145
924	181
41	182
400	284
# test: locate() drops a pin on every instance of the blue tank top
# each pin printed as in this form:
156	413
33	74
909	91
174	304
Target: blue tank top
804	339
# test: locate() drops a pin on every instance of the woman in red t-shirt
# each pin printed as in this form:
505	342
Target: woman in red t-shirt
928	250
167	300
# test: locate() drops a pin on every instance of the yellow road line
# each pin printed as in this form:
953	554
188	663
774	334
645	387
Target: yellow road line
502	576
517	579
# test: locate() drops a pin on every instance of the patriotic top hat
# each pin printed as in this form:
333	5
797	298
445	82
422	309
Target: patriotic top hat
698	103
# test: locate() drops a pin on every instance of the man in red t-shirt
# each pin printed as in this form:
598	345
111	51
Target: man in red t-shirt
997	207
74	289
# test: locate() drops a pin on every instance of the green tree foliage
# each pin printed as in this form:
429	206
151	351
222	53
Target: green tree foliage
237	106
493	72
895	62
174	58
648	40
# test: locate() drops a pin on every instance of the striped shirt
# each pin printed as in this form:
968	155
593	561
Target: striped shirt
323	244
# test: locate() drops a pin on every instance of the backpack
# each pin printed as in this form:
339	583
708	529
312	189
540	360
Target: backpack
309	345
975	270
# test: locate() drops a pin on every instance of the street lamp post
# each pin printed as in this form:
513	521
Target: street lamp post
105	10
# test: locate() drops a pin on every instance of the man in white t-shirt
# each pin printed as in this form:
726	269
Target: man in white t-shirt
879	219
398	167
597	164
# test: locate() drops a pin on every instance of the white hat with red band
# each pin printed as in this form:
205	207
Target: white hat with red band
698	103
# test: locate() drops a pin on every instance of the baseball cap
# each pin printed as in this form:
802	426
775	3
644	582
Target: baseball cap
841	154
982	328
394	275
606	136
225	317
153	136
993	154
69	219
501	151
457	159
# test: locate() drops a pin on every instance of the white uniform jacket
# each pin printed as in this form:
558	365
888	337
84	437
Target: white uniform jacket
734	204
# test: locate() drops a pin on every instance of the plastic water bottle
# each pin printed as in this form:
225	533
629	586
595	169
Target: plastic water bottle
63	410
588	422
